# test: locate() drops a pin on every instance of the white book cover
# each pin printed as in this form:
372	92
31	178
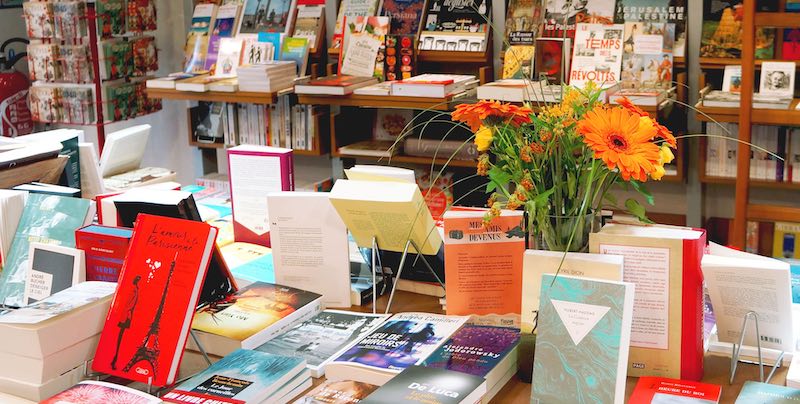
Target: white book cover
777	78
739	282
309	245
60	303
230	54
536	263
597	54
732	79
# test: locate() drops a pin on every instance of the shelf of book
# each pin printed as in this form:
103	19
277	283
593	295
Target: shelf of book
384	101
453	56
213	96
777	20
707	179
781	117
401	158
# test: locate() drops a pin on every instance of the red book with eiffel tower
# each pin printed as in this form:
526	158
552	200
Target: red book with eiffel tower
150	317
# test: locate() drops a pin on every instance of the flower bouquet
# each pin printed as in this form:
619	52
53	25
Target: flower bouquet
561	163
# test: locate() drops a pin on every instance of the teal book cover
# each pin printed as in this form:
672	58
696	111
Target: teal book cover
46	219
582	342
296	50
763	393
243	376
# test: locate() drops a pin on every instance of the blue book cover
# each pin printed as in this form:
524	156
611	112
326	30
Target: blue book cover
275	39
46	219
794	268
474	349
582	343
762	393
245	375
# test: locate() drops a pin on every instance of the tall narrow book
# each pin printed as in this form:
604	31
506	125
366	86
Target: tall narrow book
149	319
583	339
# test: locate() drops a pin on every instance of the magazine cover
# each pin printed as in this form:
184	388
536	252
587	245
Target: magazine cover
647	57
656	11
522	22
597	55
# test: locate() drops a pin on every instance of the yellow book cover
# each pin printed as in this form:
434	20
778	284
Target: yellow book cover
785	242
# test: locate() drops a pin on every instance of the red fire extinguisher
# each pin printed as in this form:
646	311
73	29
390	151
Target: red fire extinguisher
15	116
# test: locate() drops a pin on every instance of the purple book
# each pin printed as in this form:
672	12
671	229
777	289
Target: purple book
476	350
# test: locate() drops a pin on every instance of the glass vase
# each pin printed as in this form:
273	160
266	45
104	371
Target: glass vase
553	233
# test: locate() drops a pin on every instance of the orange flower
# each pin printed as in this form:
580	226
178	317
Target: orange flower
616	136
474	114
661	130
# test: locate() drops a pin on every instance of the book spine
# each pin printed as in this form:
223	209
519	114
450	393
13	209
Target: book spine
692	310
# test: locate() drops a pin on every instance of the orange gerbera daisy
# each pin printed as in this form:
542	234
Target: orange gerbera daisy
616	136
474	114
661	130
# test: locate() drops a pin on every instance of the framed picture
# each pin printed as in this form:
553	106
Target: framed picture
51	269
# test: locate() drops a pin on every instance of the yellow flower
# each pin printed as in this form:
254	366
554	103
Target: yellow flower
483	138
665	154
658	172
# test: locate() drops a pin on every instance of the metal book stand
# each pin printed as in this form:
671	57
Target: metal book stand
87	374
738	347
375	258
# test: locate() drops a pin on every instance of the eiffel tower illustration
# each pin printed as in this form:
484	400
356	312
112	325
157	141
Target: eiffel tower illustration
149	349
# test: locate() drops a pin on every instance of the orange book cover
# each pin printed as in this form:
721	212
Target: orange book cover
483	266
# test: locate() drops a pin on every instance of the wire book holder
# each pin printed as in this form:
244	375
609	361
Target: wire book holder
736	350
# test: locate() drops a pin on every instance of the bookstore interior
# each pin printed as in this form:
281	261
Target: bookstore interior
344	201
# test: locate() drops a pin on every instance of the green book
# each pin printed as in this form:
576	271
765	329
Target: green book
46	219
584	332
71	176
763	393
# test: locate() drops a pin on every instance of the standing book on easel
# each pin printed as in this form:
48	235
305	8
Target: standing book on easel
151	315
196	49
350	9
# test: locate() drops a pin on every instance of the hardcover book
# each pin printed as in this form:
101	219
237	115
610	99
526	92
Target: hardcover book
419	384
661	390
404	340
244	376
321	338
405	16
224	27
777	79
518	62
159	287
196	48
96	392
105	248
667	338
597	55
254	172
341	392
483	265
536	263
256	314
552	60
46	219
656	11
755	392
584	330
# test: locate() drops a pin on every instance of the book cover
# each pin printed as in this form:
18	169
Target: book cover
584	330
45	219
321	338
483	265
518	62
562	15
254	172
523	18
61	303
667	339
755	392
552	59
310	24
436	188
391	123
405	16
364	41
96	392
597	55
777	79
224	27
309	245
341	392
52	269
732	80
254	309
196	48
656	11
350	9
404	340
658	389
296	50
722	32
249	262
159	287
786	239
271	16
228	58
791	43
647	55
244	376
474	349
105	248
401	59
419	384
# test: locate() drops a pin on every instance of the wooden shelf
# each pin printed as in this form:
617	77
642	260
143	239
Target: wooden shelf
779	117
202	145
384	101
453	56
213	96
753	183
299	152
400	158
773	213
777	20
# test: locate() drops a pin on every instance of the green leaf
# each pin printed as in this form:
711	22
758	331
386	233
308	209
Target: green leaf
498	176
611	198
640	188
541	200
490	187
635	208
572	184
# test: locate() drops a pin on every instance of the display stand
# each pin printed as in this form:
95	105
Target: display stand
738	347
403	257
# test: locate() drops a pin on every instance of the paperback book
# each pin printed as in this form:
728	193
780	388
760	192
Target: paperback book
656	11
597	55
224	27
405	15
196	48
647	55
418	384
341	392
97	392
658	389
320	339
561	16
522	22
349	9
272	16
310	24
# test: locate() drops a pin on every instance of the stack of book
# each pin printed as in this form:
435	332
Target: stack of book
49	342
269	77
434	85
726	99
334	85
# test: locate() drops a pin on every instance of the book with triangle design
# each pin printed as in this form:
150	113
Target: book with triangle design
582	344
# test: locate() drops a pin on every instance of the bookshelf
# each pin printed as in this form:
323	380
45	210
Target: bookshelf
213	96
387	101
781	117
